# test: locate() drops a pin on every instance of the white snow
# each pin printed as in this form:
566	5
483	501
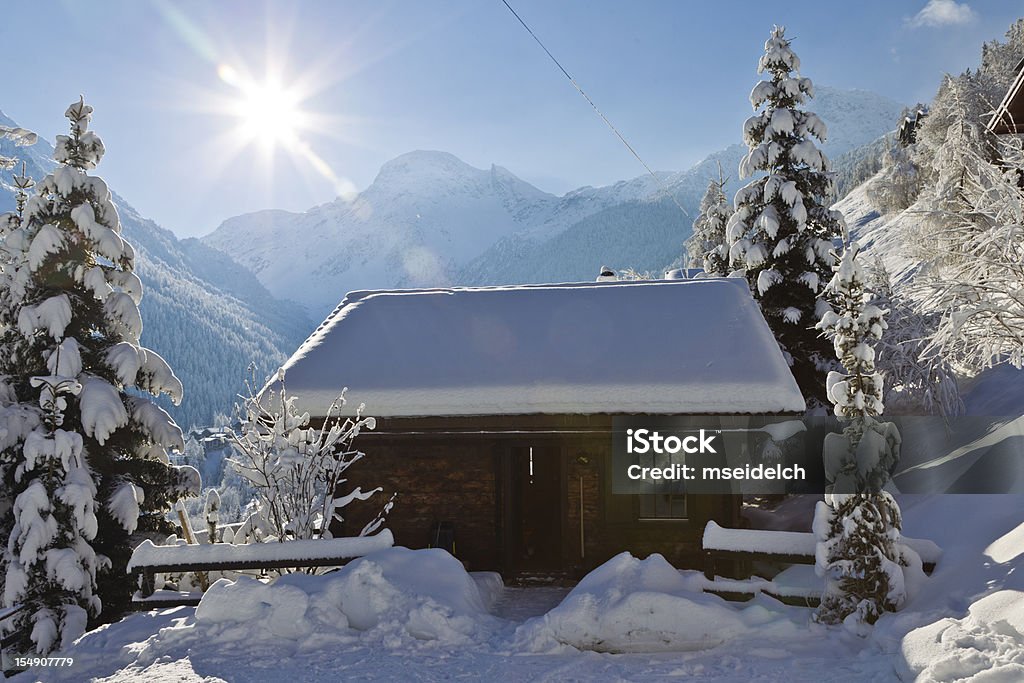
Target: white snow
425	594
986	645
103	412
147	554
124	505
632	605
622	347
717	537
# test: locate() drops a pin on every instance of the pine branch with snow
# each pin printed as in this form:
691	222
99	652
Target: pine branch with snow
781	234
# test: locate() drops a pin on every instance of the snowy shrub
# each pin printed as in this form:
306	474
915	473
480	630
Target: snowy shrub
970	212
296	469
781	233
974	252
916	383
898	184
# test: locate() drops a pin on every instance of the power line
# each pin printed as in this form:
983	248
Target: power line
594	106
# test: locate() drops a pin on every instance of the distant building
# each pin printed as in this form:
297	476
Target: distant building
494	409
906	134
684	273
1008	118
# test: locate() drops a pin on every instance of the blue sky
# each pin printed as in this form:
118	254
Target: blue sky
383	78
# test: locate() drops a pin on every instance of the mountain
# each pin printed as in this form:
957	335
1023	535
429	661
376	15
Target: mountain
651	228
430	219
424	217
208	316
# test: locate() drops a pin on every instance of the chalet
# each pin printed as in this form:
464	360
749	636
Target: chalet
494	409
1008	118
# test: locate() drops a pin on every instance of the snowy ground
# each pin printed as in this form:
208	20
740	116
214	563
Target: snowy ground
464	633
160	647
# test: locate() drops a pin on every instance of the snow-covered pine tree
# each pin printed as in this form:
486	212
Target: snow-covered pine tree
707	245
858	524
91	465
782	230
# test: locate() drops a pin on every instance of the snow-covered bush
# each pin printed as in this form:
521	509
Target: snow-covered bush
858	525
967	230
898	184
85	452
915	383
297	469
781	234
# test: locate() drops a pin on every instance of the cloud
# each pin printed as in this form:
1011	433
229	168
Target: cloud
943	13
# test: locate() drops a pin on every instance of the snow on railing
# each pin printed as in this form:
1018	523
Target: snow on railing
790	542
147	554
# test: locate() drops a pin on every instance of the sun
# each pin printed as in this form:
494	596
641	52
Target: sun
268	112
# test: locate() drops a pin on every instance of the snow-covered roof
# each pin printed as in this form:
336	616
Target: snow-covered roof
642	347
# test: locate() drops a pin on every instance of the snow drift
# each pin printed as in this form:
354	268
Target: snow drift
425	594
633	605
987	644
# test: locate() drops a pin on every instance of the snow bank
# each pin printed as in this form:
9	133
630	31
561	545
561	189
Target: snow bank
632	605
986	645
425	594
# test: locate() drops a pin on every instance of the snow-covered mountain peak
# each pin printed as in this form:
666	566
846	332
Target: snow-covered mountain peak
424	168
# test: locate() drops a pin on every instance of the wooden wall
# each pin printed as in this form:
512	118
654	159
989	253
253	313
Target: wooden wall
462	478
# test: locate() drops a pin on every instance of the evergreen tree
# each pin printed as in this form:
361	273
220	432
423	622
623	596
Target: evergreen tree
707	246
858	524
782	231
89	451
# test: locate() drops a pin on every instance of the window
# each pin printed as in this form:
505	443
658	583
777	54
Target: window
661	505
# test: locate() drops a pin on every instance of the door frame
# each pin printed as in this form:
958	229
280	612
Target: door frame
508	536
